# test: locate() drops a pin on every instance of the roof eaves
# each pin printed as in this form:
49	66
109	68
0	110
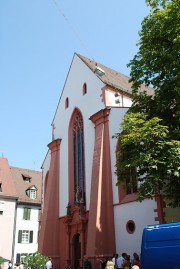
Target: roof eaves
118	88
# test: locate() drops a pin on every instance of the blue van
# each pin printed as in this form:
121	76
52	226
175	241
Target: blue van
160	247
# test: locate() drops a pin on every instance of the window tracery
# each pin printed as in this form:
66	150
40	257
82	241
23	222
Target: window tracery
79	165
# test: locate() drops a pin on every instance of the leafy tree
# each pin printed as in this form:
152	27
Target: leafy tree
157	64
145	144
1	261
151	129
35	261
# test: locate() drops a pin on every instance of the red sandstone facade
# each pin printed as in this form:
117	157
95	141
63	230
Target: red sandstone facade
68	239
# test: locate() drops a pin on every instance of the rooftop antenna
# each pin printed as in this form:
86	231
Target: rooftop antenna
34	165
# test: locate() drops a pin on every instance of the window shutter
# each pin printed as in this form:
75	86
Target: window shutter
17	258
31	237
25	213
28	213
20	236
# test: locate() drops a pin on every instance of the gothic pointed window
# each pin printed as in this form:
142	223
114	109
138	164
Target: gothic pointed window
79	166
129	185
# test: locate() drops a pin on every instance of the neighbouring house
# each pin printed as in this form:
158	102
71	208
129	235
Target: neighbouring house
8	201
20	192
84	213
28	186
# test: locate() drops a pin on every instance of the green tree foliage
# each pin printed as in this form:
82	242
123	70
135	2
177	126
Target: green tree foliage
1	261
35	261
146	146
157	64
151	129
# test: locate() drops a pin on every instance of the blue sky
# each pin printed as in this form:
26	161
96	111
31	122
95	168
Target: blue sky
38	39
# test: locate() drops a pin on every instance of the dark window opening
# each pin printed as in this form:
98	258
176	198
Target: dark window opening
67	103
79	163
130	226
84	88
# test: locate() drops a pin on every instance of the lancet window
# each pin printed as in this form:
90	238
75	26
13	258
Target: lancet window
79	163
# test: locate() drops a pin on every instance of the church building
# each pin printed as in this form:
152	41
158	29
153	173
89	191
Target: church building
84	212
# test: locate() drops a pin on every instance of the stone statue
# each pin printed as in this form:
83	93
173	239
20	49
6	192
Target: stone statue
68	211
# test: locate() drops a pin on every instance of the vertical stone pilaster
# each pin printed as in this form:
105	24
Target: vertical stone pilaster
49	230
101	234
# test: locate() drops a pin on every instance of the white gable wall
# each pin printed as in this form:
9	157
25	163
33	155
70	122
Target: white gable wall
88	104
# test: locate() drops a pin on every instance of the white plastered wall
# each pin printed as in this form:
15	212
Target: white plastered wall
88	104
45	169
29	225
141	213
114	99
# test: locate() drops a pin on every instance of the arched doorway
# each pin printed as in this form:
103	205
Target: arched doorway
77	251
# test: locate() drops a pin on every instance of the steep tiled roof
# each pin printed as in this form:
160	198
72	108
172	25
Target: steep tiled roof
112	77
22	185
6	180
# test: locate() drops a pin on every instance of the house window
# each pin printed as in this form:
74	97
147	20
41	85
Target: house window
20	257
32	192
26	178
1	212
26	213
25	236
84	88
79	163
0	186
67	103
